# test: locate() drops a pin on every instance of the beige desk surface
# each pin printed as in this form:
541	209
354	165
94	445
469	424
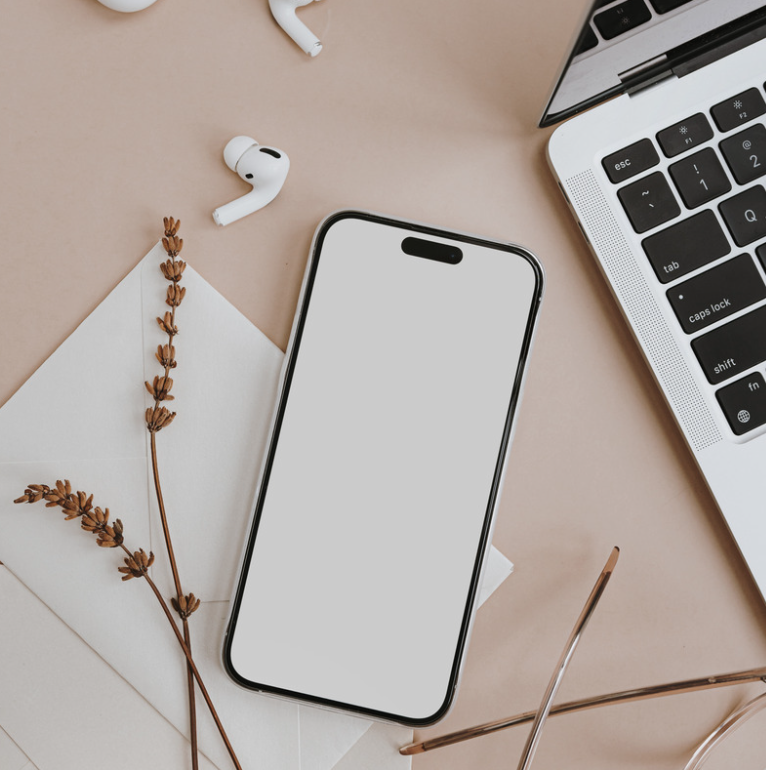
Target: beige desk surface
426	110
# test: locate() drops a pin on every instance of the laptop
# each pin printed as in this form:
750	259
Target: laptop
662	160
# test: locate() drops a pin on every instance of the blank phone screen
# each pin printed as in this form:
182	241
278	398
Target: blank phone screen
385	460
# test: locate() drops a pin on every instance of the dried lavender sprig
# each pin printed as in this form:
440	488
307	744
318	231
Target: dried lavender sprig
93	519
159	417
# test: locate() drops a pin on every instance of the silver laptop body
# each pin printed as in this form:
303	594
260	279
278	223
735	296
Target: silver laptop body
667	179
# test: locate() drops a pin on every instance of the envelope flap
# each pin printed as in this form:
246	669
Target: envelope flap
91	380
63	566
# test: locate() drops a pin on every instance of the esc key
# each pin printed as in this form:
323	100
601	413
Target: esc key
630	161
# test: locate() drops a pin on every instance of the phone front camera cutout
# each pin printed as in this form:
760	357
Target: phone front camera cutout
438	252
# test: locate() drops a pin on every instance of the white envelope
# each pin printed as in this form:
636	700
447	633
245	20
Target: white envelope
80	416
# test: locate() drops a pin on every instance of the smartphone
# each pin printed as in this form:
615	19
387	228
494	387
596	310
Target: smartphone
375	505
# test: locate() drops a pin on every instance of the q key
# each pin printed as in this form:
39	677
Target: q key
745	215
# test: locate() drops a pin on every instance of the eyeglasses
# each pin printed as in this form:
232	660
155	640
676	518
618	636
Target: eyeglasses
735	720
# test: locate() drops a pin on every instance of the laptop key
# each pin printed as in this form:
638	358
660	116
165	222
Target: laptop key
745	215
630	161
587	41
744	403
717	293
734	347
700	178
686	246
621	18
685	135
739	109
663	6
649	202
745	153
760	252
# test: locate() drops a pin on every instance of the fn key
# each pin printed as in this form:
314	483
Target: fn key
744	403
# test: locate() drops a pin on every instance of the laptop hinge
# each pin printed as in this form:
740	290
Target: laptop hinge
752	33
646	74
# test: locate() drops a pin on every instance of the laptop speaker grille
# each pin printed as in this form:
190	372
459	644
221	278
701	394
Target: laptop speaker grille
650	325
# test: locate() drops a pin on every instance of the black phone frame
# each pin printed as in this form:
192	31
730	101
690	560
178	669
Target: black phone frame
292	353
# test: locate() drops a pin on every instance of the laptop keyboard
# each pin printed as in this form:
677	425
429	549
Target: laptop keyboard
622	17
692	211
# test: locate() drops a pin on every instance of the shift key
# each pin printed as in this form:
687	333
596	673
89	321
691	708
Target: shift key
734	347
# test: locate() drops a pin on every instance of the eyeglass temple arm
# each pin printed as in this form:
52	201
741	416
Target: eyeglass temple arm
530	747
624	696
734	721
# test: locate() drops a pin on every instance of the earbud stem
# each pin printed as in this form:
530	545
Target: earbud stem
307	41
241	207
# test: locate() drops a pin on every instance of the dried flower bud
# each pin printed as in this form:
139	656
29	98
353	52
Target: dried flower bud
73	504
54	497
110	537
76	504
71	508
136	565
175	295
185	605
33	493
166	355
173	270
171	226
158	418
173	245
64	488
95	520
98	522
160	388
166	324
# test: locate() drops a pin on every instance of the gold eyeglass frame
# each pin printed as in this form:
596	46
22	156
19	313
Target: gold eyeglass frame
538	717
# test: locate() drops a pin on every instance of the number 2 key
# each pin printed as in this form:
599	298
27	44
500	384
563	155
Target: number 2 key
745	153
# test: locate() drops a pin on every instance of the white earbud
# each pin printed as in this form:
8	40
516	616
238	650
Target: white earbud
127	6
263	167
284	12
